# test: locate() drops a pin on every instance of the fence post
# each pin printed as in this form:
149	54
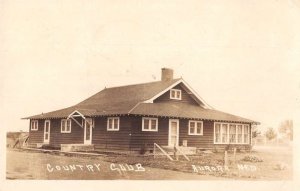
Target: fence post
225	159
234	154
154	150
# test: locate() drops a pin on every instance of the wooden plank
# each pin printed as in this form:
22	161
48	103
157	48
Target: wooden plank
187	158
164	152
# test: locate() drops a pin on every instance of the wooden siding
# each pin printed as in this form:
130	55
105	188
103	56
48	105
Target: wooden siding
185	97
141	138
112	140
206	140
36	136
57	138
130	135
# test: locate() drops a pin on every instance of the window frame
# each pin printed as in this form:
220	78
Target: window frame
36	125
65	121
150	124
195	130
113	124
236	133
176	90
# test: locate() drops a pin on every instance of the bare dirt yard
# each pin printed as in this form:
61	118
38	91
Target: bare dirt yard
263	163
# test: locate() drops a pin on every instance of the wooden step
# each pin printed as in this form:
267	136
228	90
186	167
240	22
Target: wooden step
76	147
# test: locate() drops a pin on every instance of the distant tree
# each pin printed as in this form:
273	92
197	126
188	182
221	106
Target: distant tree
286	129
255	132
271	134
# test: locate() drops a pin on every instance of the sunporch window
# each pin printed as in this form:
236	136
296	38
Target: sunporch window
34	125
195	127
150	124
66	125
231	133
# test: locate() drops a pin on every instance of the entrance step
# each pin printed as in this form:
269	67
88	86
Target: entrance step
76	147
184	150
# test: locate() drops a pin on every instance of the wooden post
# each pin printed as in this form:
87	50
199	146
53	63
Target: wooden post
234	154
225	159
153	150
175	153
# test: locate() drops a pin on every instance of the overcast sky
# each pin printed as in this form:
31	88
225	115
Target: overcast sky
242	57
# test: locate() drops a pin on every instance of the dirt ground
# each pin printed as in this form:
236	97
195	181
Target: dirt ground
276	165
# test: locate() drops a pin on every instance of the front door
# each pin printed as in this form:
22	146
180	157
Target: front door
88	130
173	132
47	132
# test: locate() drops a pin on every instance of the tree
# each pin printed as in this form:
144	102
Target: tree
286	129
255	132
271	134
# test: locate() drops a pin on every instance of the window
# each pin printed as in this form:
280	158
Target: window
195	128
175	94
150	124
66	126
230	133
240	133
246	134
34	125
113	124
224	132
217	132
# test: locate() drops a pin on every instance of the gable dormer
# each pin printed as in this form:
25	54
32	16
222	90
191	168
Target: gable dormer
176	94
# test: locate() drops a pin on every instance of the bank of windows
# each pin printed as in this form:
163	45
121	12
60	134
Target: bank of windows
65	126
228	133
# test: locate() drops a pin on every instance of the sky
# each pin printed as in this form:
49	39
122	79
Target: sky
242	57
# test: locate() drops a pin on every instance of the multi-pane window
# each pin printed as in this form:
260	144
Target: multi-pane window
66	126
113	124
149	124
34	125
217	132
230	133
195	128
224	133
175	94
240	133
246	134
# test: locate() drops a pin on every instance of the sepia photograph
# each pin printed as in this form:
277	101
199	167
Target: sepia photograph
125	95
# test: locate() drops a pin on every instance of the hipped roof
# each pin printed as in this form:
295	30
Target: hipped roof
133	100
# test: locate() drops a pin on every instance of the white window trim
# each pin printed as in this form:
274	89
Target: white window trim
36	126
194	121
175	90
113	124
236	140
150	118
65	121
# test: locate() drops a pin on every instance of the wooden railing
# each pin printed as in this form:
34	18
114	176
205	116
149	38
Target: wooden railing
162	150
176	150
187	158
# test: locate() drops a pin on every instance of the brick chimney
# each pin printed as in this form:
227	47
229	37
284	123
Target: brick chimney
166	74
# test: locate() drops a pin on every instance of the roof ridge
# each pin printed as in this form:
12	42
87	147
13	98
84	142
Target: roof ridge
145	83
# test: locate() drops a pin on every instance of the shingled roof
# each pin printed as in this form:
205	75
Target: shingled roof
132	100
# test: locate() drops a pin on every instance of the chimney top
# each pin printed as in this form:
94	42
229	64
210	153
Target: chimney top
166	74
